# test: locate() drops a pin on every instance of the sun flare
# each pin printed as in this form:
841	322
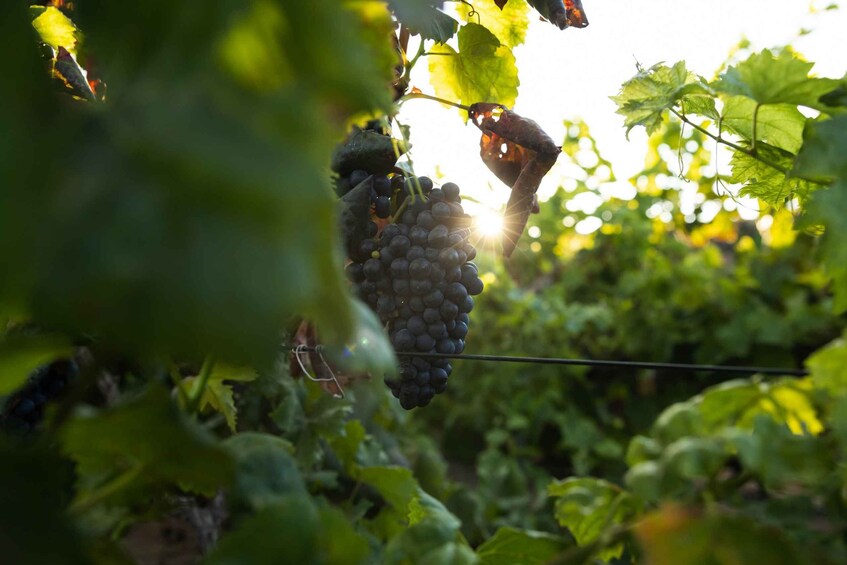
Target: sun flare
488	223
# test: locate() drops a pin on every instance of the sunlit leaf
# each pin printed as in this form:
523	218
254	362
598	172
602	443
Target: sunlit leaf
780	125
55	28
644	98
508	24
781	78
482	70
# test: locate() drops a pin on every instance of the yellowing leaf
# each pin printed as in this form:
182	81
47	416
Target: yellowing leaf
509	25
56	29
483	70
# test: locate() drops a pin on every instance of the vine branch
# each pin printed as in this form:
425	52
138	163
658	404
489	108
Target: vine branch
413	95
720	139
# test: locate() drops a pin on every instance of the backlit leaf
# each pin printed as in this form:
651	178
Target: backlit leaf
644	98
55	28
780	125
481	70
781	78
508	24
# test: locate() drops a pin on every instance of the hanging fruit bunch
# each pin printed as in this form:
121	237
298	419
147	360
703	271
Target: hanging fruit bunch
410	259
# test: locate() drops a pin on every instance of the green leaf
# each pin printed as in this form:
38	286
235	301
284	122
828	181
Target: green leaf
294	530
147	438
588	507
645	97
395	484
761	180
483	70
20	356
265	470
510	546
55	28
823	150
509	25
780	125
436	26
694	458
828	367
780	457
346	445
775	79
430	542
828	207
203	217
218	395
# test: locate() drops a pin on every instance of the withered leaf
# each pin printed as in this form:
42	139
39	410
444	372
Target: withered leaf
68	71
500	3
563	14
520	153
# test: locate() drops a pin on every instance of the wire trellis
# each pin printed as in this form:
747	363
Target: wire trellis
599	363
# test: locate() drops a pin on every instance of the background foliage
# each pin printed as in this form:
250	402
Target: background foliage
188	215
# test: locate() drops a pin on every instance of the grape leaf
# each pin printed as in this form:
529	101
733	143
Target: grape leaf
760	180
828	366
779	457
776	79
437	26
55	28
396	484
822	157
510	545
588	506
295	530
518	151
482	69
508	22
265	470
202	214
66	69
645	97
147	438
780	125
823	150
561	14
218	395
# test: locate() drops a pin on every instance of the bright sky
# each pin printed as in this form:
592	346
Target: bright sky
570	74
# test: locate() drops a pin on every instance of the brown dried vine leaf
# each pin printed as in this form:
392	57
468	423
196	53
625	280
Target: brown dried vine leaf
331	379
500	3
575	15
518	151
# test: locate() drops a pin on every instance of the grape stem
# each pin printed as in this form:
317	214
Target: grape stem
413	95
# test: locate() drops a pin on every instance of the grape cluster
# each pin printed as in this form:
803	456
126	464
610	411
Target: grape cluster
381	190
25	409
417	275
